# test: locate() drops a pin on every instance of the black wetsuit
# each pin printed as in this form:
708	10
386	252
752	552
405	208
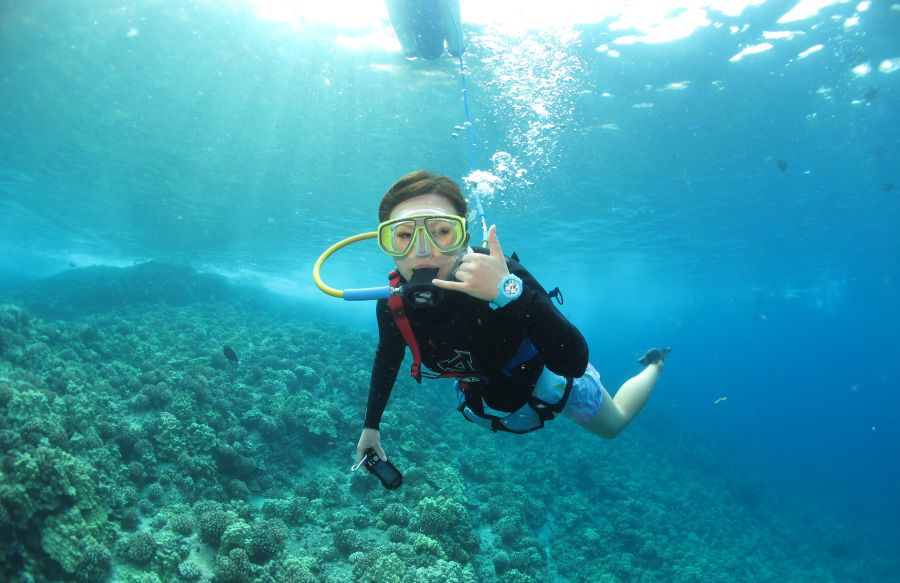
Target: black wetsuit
463	334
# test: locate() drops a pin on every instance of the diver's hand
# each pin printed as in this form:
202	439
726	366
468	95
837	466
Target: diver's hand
369	438
479	275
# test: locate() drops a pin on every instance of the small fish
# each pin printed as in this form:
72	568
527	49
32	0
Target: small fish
888	186
871	94
719	400
231	355
782	165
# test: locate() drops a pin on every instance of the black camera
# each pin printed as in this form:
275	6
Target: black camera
384	470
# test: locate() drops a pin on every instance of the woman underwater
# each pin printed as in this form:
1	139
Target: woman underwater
483	319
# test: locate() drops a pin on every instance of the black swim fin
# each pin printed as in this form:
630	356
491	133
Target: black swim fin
654	355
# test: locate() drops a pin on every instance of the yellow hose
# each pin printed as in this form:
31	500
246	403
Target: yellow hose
321	260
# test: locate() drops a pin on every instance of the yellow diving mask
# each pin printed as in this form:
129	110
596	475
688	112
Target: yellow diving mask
398	236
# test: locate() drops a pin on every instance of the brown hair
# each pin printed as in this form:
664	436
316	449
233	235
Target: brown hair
418	183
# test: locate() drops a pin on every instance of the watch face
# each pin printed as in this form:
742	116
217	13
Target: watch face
511	288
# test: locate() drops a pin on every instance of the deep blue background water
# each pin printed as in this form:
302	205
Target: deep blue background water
200	133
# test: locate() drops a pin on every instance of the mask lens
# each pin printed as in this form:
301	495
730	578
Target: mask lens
447	234
395	238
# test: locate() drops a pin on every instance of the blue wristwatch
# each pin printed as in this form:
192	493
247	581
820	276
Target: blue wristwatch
509	290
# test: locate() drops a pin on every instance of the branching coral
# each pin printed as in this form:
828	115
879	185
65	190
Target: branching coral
395	514
267	538
296	569
446	520
235	567
347	540
139	548
212	520
376	567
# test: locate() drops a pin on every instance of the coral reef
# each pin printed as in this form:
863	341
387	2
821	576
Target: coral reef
131	449
93	289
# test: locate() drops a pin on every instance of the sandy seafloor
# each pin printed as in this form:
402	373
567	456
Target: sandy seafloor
132	450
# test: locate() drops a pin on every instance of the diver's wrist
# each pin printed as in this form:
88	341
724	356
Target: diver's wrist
508	290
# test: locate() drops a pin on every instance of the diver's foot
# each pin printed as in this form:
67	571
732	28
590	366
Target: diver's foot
654	355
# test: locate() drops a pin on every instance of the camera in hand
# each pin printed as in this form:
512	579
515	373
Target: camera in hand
384	470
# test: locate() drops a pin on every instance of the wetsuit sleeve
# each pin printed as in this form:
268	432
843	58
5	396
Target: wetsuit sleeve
558	341
388	358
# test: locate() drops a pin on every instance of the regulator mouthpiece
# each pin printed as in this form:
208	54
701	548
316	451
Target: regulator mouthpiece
419	291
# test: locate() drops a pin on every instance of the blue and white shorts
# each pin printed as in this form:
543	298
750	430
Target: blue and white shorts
584	400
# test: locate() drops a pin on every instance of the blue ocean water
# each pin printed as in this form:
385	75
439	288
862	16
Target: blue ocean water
739	206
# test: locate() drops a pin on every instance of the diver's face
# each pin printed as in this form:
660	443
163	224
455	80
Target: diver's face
427	255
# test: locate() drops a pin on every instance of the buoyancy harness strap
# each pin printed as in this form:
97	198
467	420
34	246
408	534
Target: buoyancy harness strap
395	303
524	354
529	417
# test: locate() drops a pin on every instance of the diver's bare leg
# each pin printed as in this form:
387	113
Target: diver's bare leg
617	412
